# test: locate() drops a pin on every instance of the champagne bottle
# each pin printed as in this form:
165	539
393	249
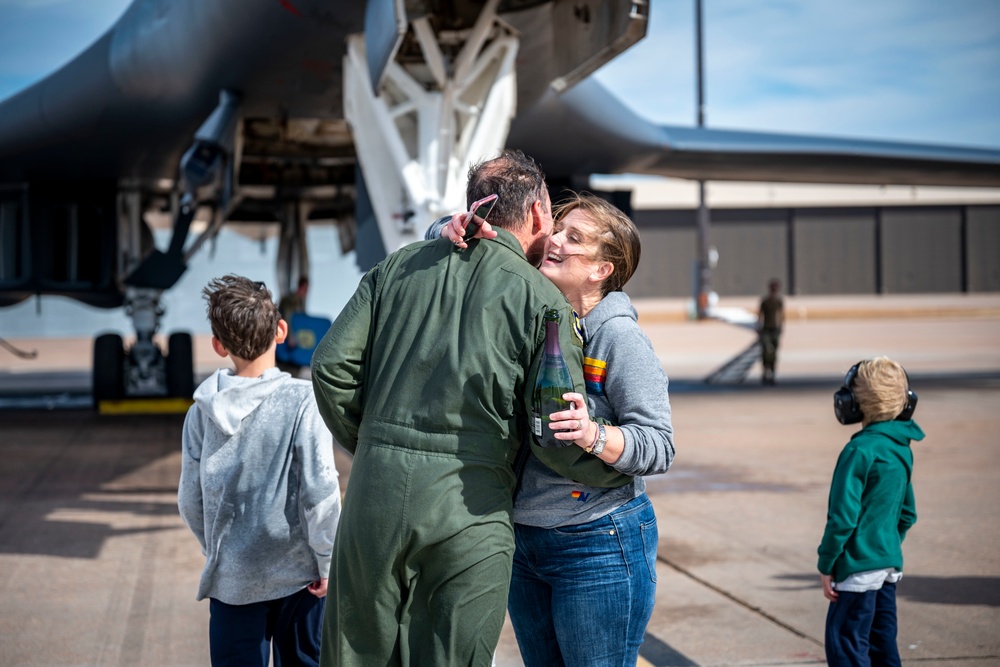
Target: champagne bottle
552	382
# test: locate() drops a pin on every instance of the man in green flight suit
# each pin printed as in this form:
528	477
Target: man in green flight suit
426	377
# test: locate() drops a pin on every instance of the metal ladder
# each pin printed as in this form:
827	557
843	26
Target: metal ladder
737	368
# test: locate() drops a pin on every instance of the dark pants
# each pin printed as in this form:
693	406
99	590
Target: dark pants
243	634
769	339
861	629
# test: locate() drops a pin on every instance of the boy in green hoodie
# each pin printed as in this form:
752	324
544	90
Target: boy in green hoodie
870	509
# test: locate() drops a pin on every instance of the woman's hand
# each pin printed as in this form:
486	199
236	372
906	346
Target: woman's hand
454	230
574	424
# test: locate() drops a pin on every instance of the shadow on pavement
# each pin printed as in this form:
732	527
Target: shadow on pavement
68	539
661	654
72	480
964	590
950	590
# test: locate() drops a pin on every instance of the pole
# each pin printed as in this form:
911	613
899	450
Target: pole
704	269
703	276
698	61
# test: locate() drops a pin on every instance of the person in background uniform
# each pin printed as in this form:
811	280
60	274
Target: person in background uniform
870	510
770	320
427	377
291	303
295	302
258	488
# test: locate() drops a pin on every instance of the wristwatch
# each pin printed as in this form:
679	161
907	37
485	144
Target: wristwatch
602	439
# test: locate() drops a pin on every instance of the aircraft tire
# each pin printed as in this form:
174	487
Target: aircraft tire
109	368
180	365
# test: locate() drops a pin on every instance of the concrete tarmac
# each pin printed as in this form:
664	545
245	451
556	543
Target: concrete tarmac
96	567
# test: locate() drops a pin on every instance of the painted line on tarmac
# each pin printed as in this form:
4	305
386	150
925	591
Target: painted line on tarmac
743	603
145	406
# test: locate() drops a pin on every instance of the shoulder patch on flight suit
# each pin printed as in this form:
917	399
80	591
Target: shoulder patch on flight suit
577	330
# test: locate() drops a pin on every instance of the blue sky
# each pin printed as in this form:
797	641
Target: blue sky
910	70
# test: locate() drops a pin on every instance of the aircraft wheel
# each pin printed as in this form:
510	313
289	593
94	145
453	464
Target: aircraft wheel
109	368
180	365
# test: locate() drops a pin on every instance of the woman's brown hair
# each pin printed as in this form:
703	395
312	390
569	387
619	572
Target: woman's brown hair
617	237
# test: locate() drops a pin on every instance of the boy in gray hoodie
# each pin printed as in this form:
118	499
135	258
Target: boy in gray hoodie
258	488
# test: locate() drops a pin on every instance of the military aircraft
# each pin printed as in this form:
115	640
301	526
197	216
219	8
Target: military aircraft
366	114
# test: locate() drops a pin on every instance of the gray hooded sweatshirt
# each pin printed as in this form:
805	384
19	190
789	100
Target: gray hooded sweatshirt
626	386
258	486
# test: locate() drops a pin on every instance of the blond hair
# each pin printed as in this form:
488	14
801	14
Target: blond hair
880	389
617	238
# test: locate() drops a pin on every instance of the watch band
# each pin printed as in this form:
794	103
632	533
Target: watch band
602	439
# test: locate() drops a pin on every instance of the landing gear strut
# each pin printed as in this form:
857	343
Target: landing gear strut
433	115
143	371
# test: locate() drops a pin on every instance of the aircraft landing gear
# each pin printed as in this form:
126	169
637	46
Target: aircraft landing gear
109	368
180	365
143	371
436	113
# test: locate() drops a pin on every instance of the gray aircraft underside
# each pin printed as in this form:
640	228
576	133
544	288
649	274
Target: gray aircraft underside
366	114
119	118
127	107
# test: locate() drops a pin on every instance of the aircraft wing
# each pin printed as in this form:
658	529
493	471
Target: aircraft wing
587	130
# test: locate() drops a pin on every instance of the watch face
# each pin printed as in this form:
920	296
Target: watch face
602	439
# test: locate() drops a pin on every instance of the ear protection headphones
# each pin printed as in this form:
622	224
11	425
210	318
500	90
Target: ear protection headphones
845	403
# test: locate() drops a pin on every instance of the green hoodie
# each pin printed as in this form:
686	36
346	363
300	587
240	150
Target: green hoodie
871	501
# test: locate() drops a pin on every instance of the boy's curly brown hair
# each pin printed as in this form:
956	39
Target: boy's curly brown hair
242	314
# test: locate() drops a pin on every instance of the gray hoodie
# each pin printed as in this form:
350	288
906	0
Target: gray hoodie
258	486
627	387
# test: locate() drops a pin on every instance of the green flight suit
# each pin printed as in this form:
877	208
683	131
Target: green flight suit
426	377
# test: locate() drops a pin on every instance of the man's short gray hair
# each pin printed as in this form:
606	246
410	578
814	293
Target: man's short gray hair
516	179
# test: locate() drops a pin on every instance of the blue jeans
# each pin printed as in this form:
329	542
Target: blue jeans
861	629
242	634
582	595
